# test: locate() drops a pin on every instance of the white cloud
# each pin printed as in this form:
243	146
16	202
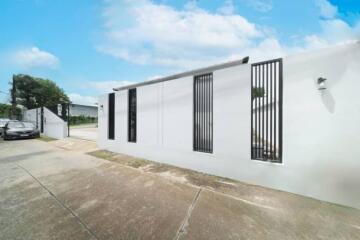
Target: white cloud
162	35
327	10
333	30
80	99
34	57
106	86
148	33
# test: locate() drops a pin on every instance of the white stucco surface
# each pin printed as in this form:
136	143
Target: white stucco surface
54	126
321	130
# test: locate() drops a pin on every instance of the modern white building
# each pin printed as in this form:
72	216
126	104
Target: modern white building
83	110
291	124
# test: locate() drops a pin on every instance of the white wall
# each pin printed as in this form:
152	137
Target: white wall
321	132
54	126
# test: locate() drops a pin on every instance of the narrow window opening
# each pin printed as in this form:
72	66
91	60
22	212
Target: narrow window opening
266	110
111	128
203	113
132	115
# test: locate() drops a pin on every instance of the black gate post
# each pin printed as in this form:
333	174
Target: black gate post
42	120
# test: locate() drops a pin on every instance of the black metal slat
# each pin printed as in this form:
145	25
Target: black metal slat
258	114
206	142
211	112
195	113
280	108
251	132
111	116
266	111
203	113
271	112
200	112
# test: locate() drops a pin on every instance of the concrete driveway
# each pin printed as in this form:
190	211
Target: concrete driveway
86	132
55	191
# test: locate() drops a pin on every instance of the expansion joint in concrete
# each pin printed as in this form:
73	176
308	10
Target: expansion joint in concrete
59	202
185	222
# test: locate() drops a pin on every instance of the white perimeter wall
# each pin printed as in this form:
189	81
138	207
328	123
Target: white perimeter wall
321	129
54	126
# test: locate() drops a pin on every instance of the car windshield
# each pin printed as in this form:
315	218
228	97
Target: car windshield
15	125
29	125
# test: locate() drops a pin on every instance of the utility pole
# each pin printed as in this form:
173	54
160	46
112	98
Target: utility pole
13	99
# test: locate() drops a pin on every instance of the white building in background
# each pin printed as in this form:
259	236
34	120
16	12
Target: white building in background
291	124
83	110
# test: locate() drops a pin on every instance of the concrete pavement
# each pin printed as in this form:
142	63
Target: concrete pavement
86	132
55	191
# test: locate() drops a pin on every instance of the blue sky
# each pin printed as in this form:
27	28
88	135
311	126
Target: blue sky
88	46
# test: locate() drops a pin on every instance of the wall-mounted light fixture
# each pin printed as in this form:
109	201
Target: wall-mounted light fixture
321	83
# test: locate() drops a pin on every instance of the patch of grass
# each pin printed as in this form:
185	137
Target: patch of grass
120	158
46	139
193	177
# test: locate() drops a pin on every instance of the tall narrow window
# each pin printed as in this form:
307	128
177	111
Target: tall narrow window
203	113
132	115
111	130
266	110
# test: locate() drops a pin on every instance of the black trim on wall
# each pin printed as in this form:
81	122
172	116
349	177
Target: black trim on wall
111	127
203	113
266	110
132	118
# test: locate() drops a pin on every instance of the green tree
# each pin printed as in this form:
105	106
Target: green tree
5	111
32	92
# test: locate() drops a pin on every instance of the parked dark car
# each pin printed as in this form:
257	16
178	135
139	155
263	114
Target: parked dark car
20	130
3	122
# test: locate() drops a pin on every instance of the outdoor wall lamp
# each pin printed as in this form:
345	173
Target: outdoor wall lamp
321	83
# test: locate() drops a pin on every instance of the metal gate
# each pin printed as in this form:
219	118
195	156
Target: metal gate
266	110
203	113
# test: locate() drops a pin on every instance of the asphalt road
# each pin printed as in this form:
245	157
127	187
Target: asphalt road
48	191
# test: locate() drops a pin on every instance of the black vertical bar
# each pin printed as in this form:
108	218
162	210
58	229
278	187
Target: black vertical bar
275	111
68	118
212	113
194	112
262	111
42	120
257	112
135	114
201	114
267	111
271	111
205	112
111	116
206	127
280	108
198	113
251	112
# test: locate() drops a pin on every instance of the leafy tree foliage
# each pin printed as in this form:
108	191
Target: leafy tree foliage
5	111
32	92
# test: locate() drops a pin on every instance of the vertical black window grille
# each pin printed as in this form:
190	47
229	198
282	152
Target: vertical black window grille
203	113
266	110
111	130
132	115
